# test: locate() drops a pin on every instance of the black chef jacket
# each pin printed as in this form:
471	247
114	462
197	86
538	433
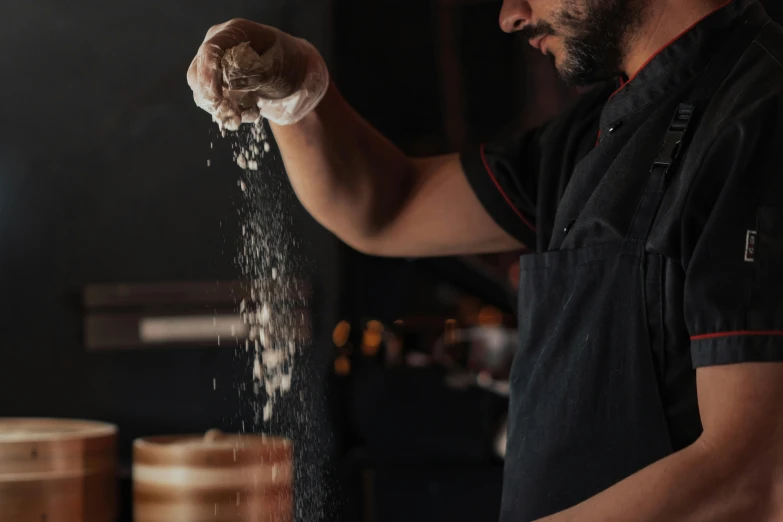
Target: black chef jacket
719	226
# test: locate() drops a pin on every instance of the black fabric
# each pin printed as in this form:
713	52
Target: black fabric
775	9
505	161
734	307
580	195
581	418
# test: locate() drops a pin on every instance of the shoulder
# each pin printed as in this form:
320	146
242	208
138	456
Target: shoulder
580	112
581	116
736	157
753	90
559	136
738	154
770	40
744	118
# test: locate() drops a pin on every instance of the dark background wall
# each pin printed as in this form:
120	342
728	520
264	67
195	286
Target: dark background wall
104	179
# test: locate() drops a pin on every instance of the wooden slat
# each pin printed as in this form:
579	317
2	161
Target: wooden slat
155	315
178	293
57	470
113	331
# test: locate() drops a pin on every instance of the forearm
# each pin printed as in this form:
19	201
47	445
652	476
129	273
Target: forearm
346	174
695	484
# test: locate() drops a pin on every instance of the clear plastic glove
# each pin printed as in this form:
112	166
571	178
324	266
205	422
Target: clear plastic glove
244	71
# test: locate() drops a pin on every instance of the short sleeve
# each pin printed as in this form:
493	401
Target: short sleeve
733	244
520	177
503	174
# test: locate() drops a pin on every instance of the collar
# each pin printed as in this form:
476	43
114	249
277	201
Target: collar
675	63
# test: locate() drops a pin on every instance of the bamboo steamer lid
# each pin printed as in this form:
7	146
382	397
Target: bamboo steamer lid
57	470
214	477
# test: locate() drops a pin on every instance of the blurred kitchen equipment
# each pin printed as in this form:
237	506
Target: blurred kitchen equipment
57	470
216	477
501	438
478	356
177	314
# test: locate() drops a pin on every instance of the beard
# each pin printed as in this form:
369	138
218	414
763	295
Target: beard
595	35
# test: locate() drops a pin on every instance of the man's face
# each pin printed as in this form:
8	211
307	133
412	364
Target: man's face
586	39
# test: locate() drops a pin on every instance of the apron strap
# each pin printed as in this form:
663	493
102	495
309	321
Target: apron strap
722	63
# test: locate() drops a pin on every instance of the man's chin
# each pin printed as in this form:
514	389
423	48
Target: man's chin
574	80
581	78
566	74
579	81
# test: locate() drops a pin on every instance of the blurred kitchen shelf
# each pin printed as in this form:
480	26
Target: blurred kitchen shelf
187	314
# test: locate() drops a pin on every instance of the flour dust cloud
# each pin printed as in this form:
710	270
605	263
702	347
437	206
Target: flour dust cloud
285	398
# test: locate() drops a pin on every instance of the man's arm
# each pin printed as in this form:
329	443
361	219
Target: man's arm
346	174
372	196
734	472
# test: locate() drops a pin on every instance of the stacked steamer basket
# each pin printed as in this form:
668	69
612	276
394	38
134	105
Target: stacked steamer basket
56	470
214	478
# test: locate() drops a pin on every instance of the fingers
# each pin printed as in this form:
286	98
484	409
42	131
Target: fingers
227	115
227	37
226	103
208	88
249	105
251	115
231	24
205	74
193	74
215	29
234	32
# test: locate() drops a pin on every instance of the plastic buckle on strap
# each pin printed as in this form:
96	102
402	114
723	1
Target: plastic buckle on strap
672	142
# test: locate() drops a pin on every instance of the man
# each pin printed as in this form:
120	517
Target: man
649	382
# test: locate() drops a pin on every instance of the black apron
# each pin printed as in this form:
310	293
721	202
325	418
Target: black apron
585	409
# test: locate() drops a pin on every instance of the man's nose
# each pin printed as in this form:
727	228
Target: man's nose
514	15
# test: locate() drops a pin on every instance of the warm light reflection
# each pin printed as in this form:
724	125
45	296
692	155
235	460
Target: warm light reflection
490	316
393	350
513	274
375	326
371	340
468	310
342	366
450	331
341	333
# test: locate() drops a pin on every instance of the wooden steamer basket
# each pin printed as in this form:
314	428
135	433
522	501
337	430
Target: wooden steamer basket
214	478
57	470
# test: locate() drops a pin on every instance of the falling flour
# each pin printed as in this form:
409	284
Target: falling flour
272	311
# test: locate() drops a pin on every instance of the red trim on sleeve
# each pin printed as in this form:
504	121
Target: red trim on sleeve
717	335
659	51
502	192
